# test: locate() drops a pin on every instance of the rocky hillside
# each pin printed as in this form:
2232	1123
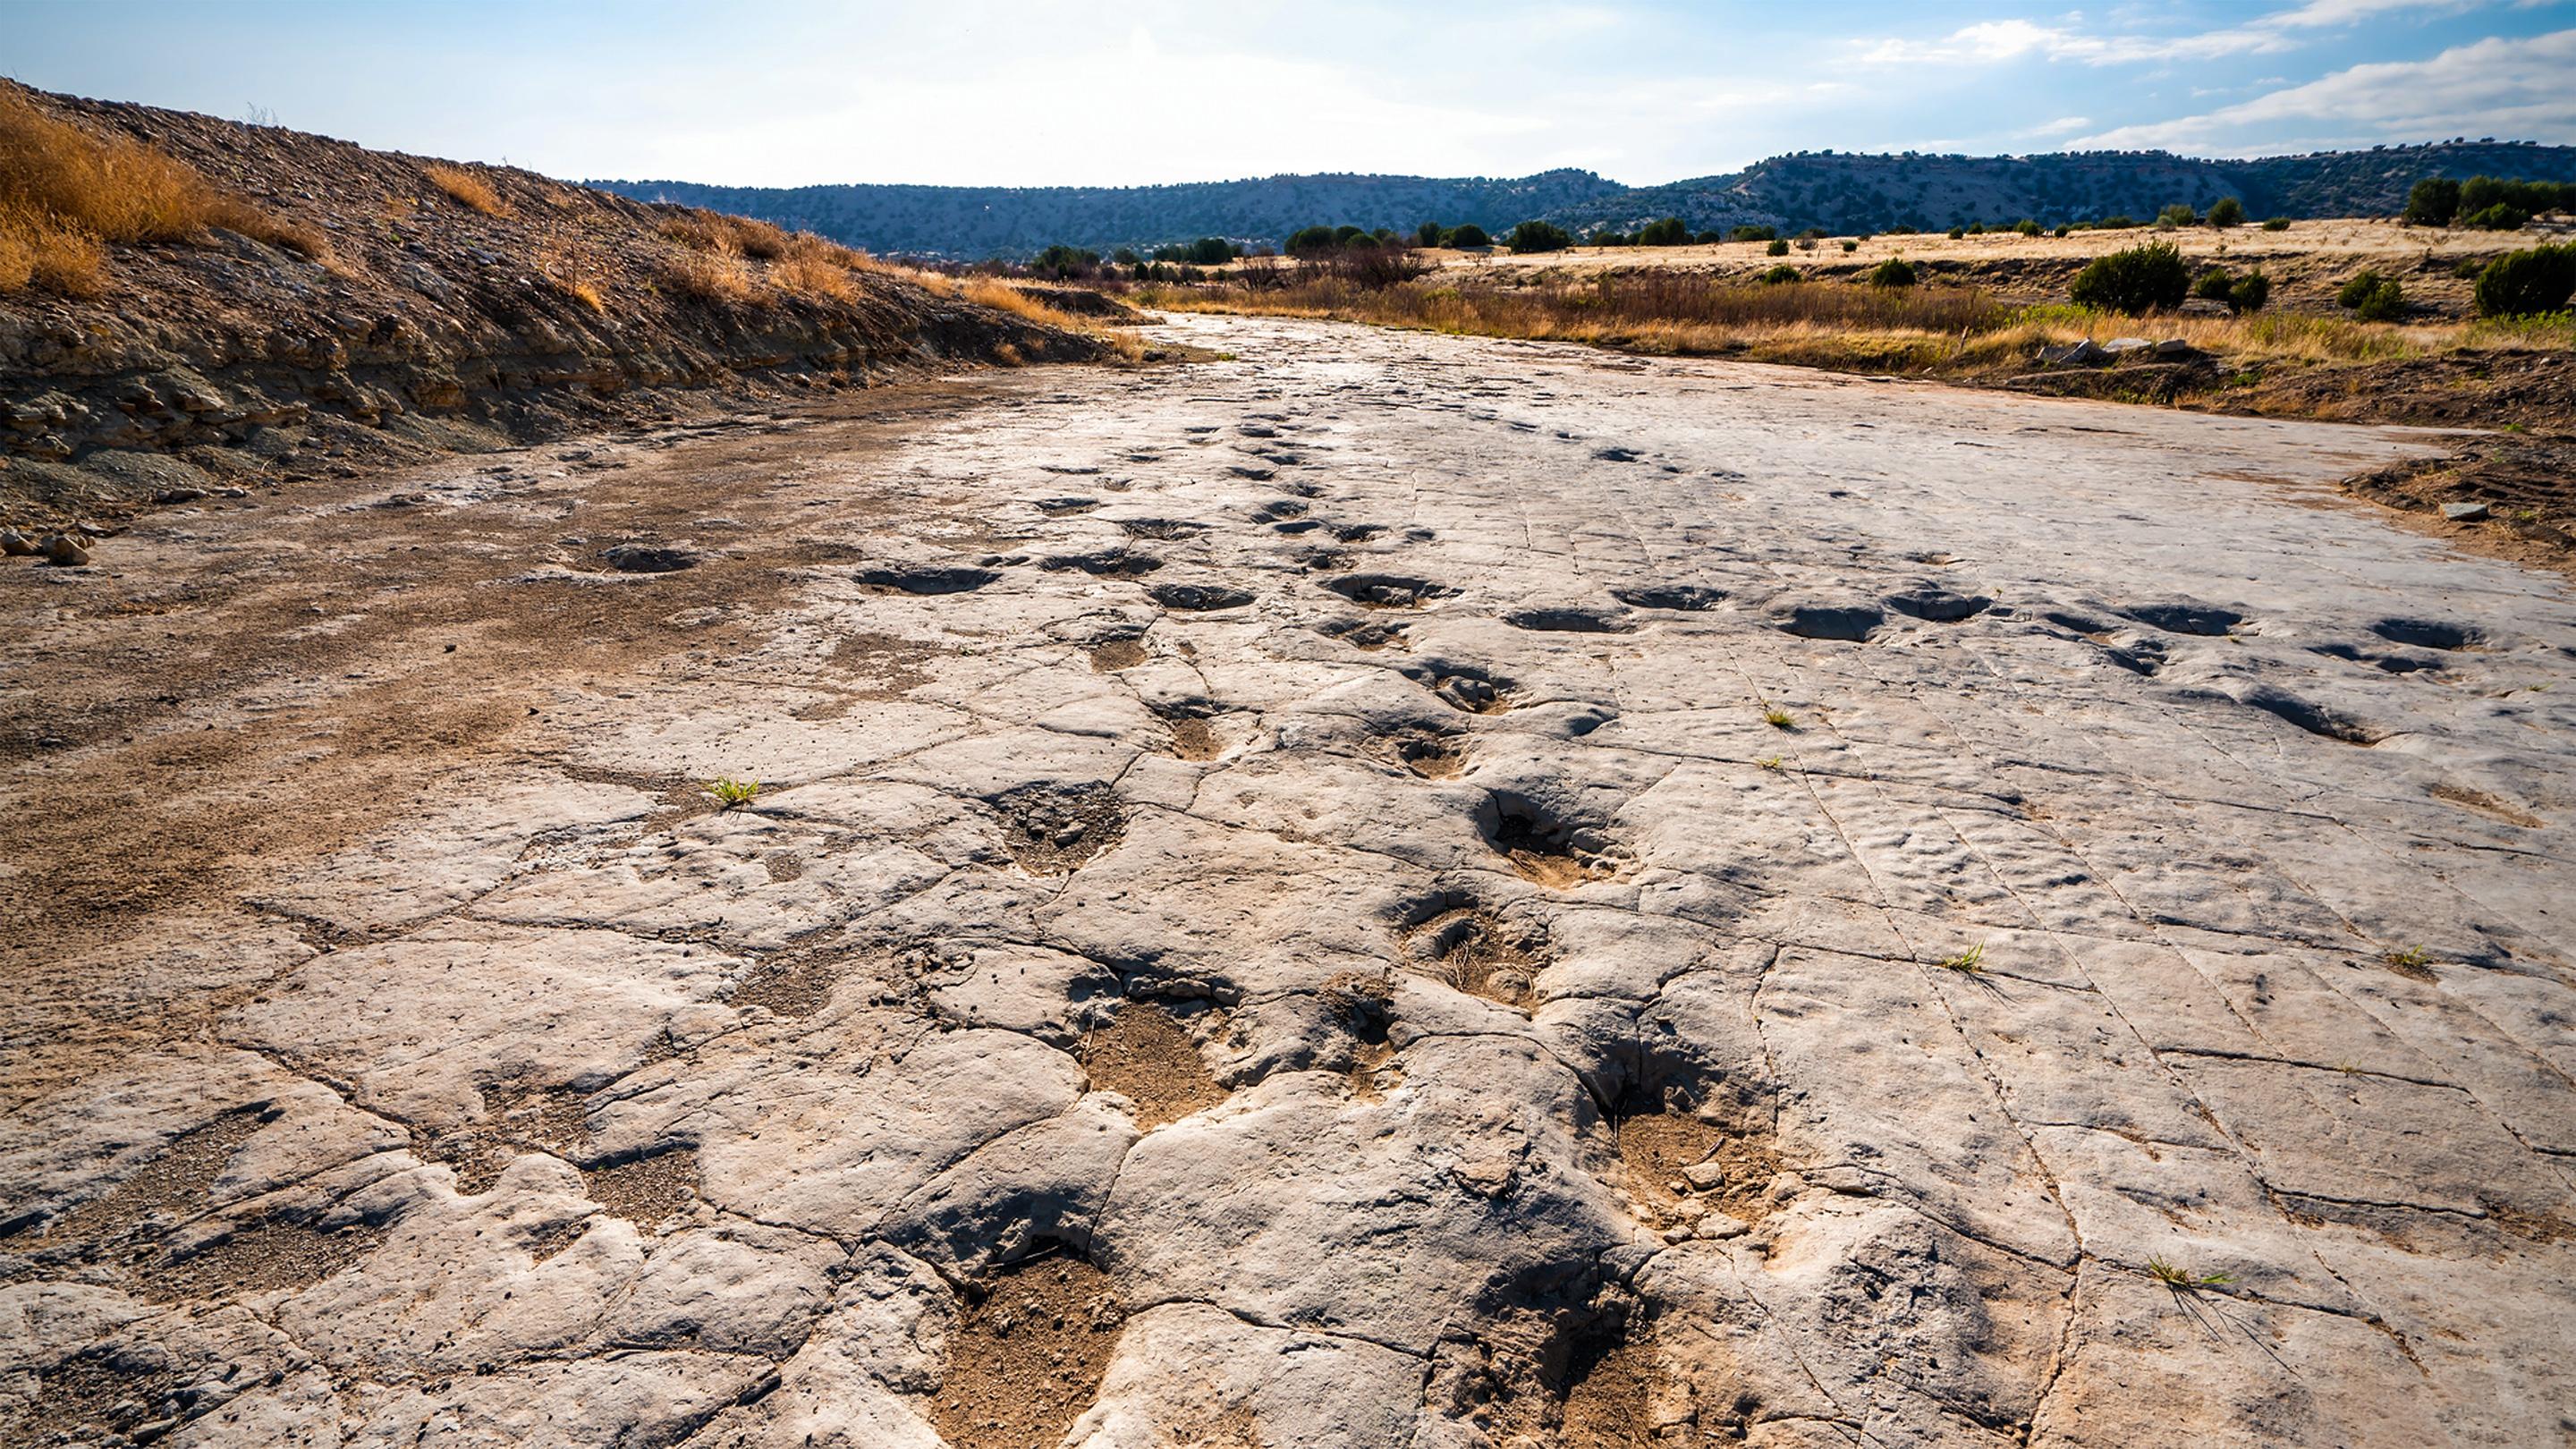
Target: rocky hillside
1839	192
316	306
984	221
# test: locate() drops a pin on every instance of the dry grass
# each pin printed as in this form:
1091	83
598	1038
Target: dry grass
465	188
707	278
1003	297
814	279
731	236
65	192
575	273
1933	329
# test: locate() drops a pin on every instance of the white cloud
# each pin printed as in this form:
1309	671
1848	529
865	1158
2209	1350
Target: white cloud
2494	87
2002	40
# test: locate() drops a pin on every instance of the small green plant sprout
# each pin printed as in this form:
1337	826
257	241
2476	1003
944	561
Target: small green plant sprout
1971	962
733	794
1778	718
2183	1280
1770	762
2348	1067
2411	956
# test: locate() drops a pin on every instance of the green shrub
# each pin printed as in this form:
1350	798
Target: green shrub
1709	238
2178	214
1777	248
1605	237
1781	273
1957	232
1538	236
2214	285
2468	267
1212	251
1850	246
2116	223
2481	193
2061	231
2527	283
1427	235
2356	287
1303	242
2433	202
1672	231
2503	216
1754	233
2142	279
2250	293
1976	228
2027	227
1894	272
1899	230
2277	223
2385	302
1469	235
2225	212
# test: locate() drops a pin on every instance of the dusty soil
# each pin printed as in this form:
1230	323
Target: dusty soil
402	1043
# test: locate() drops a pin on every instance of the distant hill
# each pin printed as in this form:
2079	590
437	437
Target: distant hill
982	221
1843	192
1839	192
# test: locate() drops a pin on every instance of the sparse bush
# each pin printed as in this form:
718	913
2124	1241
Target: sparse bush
709	277
1850	246
1754	234
2027	227
1957	232
2356	287
2214	285
2467	268
1781	273
2181	213
1376	268
2226	212
1976	228
2277	223
733	794
2251	292
1538	236
1776	248
1469	235
1065	263
2527	283
465	188
2503	216
1672	231
2143	279
2384	302
2433	202
1894	272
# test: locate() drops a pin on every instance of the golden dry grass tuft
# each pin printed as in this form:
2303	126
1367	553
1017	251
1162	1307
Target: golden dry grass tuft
1003	297
710	278
733	236
465	189
64	192
814	279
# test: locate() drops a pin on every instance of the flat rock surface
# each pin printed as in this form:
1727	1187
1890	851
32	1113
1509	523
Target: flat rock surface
1396	890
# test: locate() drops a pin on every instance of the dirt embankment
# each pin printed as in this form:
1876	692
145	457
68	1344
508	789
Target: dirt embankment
449	307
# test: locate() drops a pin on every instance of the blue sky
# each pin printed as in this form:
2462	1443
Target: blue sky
964	91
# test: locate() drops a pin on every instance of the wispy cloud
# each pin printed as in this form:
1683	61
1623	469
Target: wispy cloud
2495	87
1993	41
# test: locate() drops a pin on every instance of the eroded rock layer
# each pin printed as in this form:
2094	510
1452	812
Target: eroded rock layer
1401	890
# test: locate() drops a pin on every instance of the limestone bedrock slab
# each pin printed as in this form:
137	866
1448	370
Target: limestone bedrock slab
1395	890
